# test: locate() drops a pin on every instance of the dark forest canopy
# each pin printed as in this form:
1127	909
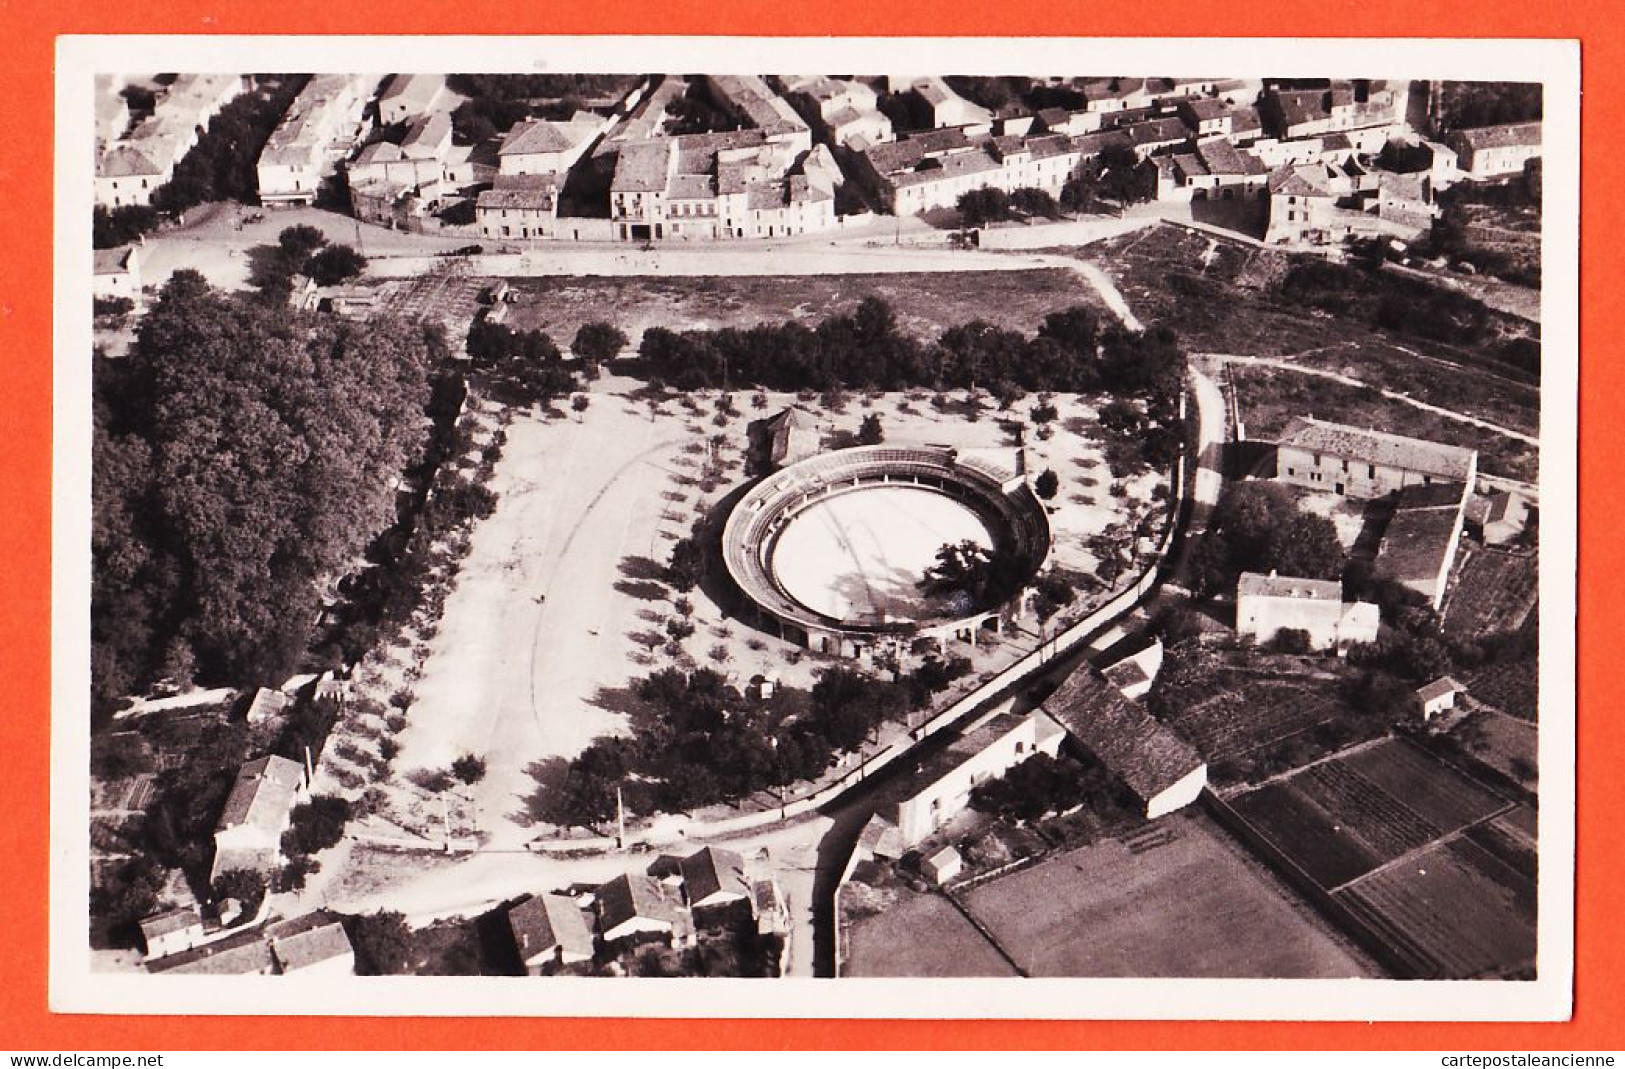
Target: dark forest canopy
243	454
1468	104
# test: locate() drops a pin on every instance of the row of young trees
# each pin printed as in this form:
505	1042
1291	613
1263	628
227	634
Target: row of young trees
242	454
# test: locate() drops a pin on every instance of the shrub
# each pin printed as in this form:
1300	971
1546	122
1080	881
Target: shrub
316	825
1291	640
247	887
469	768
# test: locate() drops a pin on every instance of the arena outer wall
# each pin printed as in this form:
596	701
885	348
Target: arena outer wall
1001	498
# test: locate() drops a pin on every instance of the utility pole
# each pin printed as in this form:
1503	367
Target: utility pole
620	819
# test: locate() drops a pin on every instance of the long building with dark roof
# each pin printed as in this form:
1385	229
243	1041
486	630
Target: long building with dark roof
1162	770
1322	455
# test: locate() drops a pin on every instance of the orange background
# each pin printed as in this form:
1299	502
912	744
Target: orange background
26	88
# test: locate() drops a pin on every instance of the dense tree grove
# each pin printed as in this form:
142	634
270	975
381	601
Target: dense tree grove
1043	785
1072	352
523	364
300	250
242	455
978	207
1117	175
1468	104
1257	527
700	742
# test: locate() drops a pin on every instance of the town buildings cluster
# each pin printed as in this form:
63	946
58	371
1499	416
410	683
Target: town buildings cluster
317	132
132	162
1307	153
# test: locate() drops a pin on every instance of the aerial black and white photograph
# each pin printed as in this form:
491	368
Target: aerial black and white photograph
592	526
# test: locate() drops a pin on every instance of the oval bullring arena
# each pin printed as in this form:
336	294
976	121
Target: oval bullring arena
831	551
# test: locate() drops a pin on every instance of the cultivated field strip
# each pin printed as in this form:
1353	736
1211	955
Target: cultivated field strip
1345	817
1450	912
1440	795
1318	844
1502	839
1386	824
1236	723
1494	592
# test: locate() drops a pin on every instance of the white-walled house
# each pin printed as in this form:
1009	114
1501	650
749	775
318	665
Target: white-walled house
1496	151
1266	605
257	812
941	788
539	146
315	133
171	931
116	273
1162	770
408	96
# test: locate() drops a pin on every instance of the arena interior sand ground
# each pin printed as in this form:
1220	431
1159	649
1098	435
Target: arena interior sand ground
861	554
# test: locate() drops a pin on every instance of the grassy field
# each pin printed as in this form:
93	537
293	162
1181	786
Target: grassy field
1222	297
1504	743
920	935
1178	900
925	303
1270	397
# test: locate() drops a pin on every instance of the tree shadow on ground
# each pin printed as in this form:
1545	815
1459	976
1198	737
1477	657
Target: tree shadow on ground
542	804
642	590
636	567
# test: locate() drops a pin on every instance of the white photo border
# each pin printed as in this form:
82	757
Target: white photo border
74	988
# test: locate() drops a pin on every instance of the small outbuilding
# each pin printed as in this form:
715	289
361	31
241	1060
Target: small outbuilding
942	866
1438	696
171	931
